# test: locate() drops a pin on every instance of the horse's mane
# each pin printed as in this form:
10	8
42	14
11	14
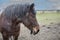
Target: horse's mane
15	9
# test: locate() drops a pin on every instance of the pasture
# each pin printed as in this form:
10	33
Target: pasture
48	18
49	28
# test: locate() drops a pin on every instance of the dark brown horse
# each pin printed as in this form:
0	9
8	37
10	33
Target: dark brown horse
13	15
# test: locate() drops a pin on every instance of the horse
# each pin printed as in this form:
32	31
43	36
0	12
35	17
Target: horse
15	14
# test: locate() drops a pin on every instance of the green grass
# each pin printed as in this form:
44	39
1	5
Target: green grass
48	18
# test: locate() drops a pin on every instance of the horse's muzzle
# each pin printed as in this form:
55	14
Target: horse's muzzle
34	32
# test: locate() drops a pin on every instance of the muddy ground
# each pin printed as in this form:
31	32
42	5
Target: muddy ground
47	32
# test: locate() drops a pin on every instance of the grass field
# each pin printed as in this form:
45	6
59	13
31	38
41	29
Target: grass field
47	18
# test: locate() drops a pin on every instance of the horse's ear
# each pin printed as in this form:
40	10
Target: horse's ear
31	6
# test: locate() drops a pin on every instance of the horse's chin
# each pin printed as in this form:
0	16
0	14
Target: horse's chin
31	32
34	33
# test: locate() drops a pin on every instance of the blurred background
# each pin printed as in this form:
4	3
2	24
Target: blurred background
48	17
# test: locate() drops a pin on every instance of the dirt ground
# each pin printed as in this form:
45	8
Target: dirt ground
47	32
